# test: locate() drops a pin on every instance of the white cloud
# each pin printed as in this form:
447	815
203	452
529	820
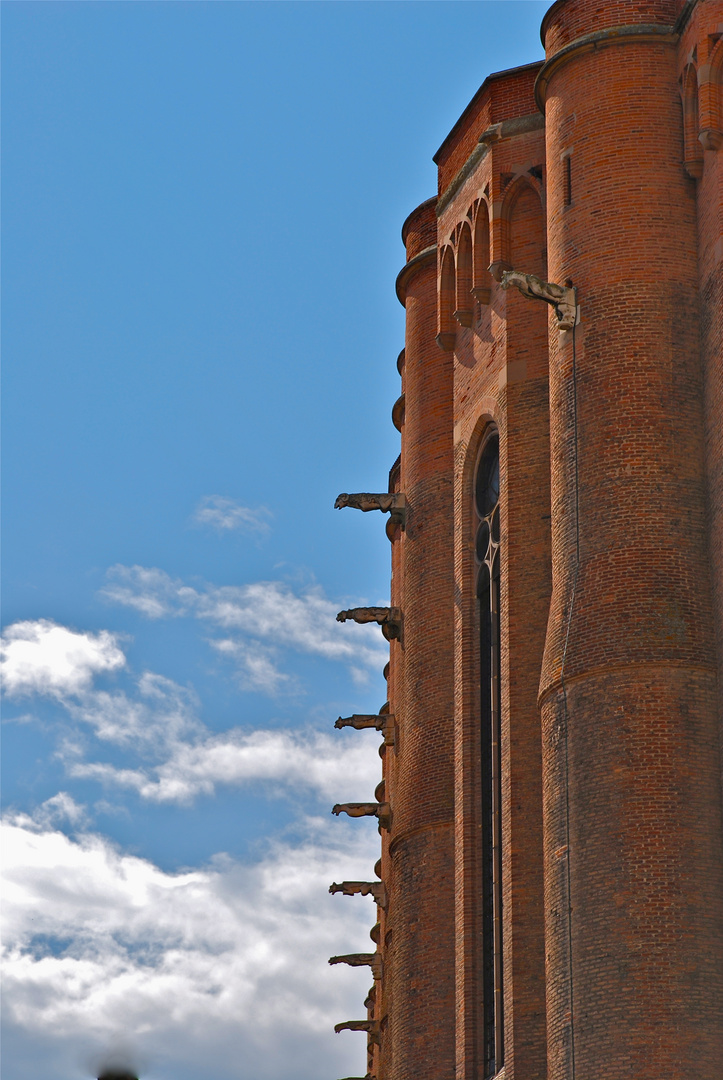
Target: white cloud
54	811
160	716
40	657
224	964
256	664
266	610
225	514
329	766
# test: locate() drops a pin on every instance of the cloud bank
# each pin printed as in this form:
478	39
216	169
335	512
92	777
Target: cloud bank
225	963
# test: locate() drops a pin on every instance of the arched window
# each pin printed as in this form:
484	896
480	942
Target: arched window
487	490
691	125
446	324
481	275
463	309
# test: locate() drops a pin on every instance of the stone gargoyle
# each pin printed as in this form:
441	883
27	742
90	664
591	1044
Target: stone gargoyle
381	811
370	1026
362	888
359	721
361	959
563	298
393	503
389	618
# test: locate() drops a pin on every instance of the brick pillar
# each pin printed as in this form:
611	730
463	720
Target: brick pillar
632	800
419	956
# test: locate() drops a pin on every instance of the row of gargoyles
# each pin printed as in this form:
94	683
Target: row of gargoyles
381	811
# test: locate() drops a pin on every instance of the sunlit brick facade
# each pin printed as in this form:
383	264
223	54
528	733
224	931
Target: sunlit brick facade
550	812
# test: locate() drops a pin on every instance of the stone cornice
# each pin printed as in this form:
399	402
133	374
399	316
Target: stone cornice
616	35
520	125
419	262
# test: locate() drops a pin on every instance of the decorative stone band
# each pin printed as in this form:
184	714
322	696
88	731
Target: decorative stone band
361	959
562	298
370	1026
362	888
616	35
425	258
390	619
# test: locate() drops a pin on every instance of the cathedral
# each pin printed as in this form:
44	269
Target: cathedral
550	884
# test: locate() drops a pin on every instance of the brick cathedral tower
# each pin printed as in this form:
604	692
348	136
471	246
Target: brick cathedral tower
550	888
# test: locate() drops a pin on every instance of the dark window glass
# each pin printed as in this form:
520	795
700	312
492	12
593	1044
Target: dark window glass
487	490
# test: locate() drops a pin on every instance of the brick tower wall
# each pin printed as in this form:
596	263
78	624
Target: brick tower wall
419	850
634	889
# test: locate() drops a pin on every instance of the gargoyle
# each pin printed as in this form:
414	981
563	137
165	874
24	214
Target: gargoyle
370	1026
561	297
393	503
361	959
389	618
361	721
363	888
383	722
365	809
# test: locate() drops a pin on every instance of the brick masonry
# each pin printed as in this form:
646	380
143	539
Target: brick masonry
611	499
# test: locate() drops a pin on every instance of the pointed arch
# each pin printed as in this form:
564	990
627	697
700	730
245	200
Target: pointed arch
522	183
692	149
481	254
463	304
446	297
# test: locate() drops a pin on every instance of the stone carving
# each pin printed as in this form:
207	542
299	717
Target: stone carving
384	722
393	503
389	618
563	298
365	809
359	721
370	1026
363	888
361	959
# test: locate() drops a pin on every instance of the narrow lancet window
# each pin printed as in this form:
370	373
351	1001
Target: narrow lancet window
487	488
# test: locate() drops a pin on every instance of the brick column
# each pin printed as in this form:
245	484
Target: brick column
632	800
419	966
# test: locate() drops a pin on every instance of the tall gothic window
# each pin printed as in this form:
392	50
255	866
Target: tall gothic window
487	490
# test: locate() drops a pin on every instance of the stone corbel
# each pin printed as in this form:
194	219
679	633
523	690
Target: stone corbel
362	888
389	618
491	135
563	298
368	959
370	1026
392	503
711	139
381	811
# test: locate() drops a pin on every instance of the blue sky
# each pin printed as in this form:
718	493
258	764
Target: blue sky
201	214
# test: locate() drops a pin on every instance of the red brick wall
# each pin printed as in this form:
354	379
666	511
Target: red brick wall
630	753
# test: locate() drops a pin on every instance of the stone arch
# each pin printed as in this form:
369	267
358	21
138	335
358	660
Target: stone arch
522	185
692	149
446	298
481	254
463	294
